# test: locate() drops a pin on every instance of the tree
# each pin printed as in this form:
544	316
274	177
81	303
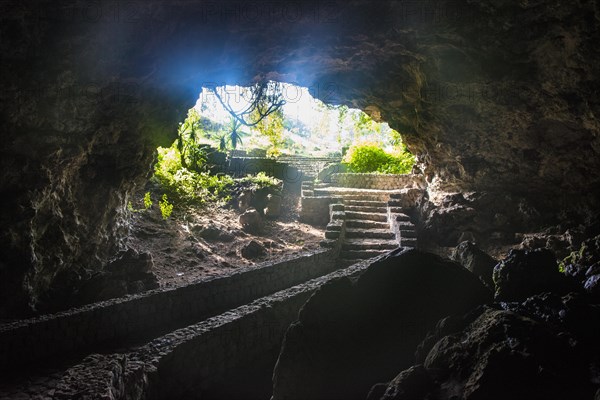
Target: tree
263	99
342	113
188	135
272	128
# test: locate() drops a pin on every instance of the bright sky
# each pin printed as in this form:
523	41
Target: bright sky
299	103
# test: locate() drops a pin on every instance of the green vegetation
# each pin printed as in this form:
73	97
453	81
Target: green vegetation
147	201
573	258
147	204
271	127
260	181
369	157
166	208
281	119
187	186
189	172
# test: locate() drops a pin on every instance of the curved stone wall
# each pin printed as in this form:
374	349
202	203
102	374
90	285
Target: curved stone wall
378	181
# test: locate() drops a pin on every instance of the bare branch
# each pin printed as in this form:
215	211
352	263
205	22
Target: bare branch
265	99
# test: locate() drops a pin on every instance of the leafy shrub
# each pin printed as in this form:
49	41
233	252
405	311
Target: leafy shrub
368	157
166	208
188	186
261	181
147	201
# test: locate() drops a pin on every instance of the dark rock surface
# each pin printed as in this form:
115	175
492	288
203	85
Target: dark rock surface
475	260
253	250
251	220
544	348
130	273
492	96
351	335
212	232
526	273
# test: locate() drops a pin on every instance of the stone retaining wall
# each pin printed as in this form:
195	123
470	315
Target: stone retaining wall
378	181
315	209
188	362
118	321
241	166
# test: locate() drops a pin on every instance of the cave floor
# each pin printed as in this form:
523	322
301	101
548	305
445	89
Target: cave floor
181	255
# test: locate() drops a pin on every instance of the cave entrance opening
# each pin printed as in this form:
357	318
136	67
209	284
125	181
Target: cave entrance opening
276	121
243	147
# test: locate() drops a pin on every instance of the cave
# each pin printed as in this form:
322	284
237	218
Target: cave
495	99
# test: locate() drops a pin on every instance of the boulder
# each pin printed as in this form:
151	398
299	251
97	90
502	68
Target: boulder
583	265
273	209
410	384
526	273
475	260
129	273
253	250
212	232
251	221
592	286
353	334
245	200
542	348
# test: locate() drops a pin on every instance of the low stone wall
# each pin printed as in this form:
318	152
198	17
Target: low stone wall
112	323
188	362
378	181
240	166
315	209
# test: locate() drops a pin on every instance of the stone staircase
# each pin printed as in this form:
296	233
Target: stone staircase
309	166
368	232
374	221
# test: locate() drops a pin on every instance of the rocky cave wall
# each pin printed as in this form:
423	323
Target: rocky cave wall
494	96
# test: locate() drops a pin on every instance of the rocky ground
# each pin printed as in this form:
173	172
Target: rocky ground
532	335
210	241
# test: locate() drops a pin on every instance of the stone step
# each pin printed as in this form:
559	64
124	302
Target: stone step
358	223
409	242
364	196
352	196
366	203
379	210
370	233
402	217
366	216
406	234
362	244
361	254
406	225
397	210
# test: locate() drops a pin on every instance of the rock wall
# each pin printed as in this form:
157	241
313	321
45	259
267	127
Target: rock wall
194	361
354	333
113	322
495	96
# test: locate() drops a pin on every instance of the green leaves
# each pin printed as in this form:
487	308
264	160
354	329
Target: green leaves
147	201
166	208
185	185
368	157
272	128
